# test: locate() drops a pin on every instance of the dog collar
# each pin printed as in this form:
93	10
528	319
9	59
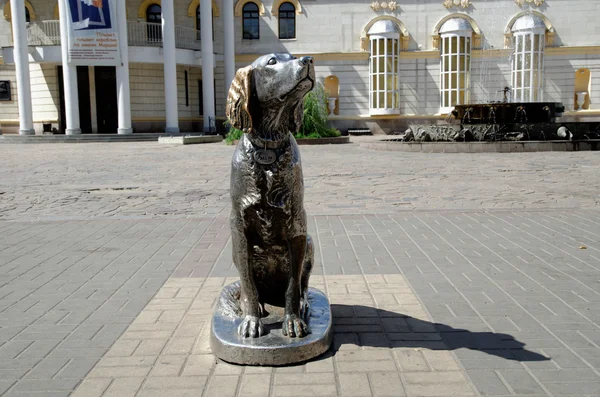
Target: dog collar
267	152
260	143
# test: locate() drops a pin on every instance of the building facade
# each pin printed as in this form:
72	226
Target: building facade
383	63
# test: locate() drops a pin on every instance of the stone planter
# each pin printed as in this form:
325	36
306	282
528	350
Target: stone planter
324	141
580	100
318	141
331	102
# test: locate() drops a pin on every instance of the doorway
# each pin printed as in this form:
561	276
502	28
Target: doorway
83	88
106	99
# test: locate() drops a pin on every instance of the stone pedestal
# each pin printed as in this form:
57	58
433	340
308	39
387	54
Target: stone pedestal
273	348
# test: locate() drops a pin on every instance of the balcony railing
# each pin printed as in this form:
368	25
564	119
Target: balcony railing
43	33
142	34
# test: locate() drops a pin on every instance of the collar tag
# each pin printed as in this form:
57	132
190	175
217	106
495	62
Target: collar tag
265	156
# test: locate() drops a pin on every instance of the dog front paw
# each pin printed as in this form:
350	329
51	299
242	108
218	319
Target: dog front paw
293	326
251	327
304	308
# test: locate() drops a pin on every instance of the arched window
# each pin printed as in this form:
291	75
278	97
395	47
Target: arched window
29	11
250	21
154	19
455	69
528	45
384	38
199	24
287	21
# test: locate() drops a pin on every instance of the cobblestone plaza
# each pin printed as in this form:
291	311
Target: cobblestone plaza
448	274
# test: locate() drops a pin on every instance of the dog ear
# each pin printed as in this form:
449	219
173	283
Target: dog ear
238	100
297	116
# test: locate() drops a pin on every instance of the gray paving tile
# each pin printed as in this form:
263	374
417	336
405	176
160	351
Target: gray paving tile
488	383
521	382
87	289
506	288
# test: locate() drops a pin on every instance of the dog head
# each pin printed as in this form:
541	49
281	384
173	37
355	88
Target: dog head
267	97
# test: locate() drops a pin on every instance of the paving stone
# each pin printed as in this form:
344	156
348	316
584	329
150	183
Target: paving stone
303	390
356	385
256	385
223	368
222	386
92	388
36	394
290	369
430	383
440	360
321	364
259	370
35	385
77	352
13	349
180	345
76	368
411	360
150	347
48	368
565	375
509	290
200	364
124	387
173	383
386	384
488	383
576	388
172	393
302	378
12	374
5	385
363	355
521	383
366	366
564	358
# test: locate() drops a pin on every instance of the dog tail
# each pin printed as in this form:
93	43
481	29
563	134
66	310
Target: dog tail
230	300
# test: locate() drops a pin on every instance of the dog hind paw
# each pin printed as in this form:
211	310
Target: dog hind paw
293	326
251	327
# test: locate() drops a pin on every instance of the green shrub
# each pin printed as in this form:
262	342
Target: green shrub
315	116
233	135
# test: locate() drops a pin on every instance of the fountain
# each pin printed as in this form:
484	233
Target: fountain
514	115
510	121
503	121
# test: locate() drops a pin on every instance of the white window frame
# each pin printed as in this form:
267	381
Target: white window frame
527	72
384	85
455	84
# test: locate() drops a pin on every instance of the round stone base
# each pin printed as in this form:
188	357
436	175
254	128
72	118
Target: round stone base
273	348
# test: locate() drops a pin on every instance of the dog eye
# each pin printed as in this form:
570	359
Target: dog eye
272	61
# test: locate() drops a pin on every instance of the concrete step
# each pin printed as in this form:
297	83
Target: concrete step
89	138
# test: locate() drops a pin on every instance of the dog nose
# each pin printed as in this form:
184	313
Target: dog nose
306	60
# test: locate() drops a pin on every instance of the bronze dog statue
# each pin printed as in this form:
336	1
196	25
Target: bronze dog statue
271	248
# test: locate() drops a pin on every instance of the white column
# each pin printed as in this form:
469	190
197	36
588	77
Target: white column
229	45
21	54
169	53
208	73
69	74
123	93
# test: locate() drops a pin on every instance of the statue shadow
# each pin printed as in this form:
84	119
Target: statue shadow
371	327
